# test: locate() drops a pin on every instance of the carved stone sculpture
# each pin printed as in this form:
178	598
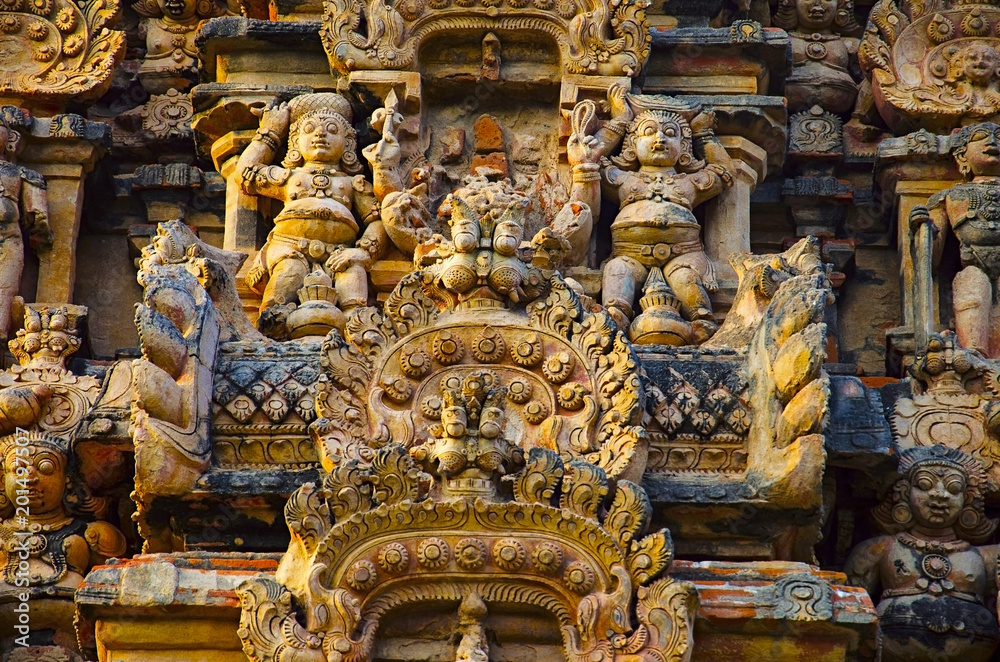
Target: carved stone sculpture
170	26
57	547
59	50
932	65
972	210
372	540
320	184
930	581
658	181
952	404
22	201
569	379
823	35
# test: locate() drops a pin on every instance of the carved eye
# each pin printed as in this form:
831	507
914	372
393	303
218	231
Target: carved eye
332	128
670	132
956	486
47	467
309	127
649	131
979	135
925	484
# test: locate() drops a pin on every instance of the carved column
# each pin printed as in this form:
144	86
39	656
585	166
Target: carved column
64	150
727	217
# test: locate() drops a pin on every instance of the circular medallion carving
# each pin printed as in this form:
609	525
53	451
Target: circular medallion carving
432	553
362	575
579	577
508	554
470	553
393	558
547	558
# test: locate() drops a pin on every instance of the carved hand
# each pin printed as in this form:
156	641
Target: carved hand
920	215
617	99
346	258
275	117
583	147
703	122
40	237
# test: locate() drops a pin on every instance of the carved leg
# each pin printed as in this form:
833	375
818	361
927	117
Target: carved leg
11	265
618	284
284	280
684	276
352	287
972	296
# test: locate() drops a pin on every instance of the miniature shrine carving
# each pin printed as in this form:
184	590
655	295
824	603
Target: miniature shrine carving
934	582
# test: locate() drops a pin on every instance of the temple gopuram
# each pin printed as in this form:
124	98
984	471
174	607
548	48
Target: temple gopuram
499	330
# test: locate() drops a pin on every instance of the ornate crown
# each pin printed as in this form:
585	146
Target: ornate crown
306	104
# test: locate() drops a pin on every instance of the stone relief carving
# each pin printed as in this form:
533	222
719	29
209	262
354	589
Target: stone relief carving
593	37
571	378
824	40
169	27
971	209
658	180
933	580
932	65
23	200
372	540
59	50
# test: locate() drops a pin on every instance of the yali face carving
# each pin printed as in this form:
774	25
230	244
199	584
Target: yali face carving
321	138
937	495
658	142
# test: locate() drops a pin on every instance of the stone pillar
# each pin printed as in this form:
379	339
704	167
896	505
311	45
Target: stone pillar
64	150
727	216
909	194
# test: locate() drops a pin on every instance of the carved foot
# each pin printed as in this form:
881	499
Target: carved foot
703	330
273	322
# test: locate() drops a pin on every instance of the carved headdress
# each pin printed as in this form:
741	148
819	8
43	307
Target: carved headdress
323	103
662	109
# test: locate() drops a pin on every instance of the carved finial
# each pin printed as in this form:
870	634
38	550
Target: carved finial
660	322
473	646
49	336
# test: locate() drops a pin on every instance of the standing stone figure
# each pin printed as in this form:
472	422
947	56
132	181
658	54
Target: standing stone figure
972	209
930	583
22	200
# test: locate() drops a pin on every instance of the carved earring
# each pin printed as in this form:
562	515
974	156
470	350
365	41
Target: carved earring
969	518
684	160
901	513
13	140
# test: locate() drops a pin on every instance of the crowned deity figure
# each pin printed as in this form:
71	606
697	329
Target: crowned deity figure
670	163
824	39
324	195
931	583
23	201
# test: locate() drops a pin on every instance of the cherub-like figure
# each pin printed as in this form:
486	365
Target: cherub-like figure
824	39
972	209
930	582
974	76
45	551
658	180
322	188
23	200
170	27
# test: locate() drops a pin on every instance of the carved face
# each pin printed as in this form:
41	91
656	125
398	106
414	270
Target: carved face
937	494
465	234
454	422
658	143
321	138
507	238
177	10
491	422
977	64
45	479
815	14
983	151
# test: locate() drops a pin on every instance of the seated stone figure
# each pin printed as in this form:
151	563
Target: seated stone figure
44	550
322	190
658	181
931	584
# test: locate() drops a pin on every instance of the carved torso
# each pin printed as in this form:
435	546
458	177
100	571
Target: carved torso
821	73
10	193
167	39
56	557
974	212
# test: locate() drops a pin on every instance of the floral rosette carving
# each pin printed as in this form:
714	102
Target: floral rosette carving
932	65
64	49
594	569
606	39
